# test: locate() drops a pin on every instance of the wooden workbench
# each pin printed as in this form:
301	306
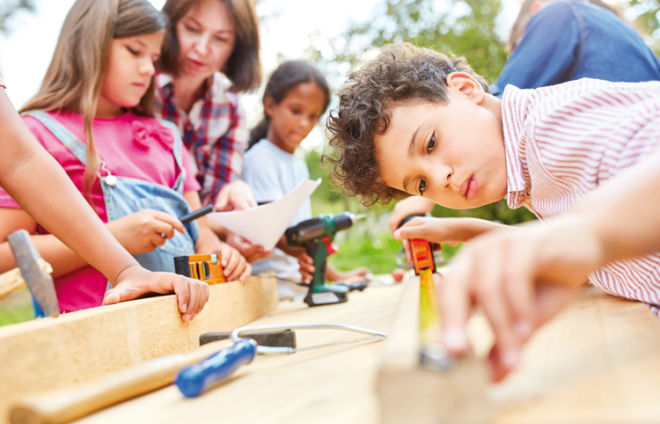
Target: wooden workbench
597	362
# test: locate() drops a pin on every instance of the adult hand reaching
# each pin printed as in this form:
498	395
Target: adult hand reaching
235	196
520	277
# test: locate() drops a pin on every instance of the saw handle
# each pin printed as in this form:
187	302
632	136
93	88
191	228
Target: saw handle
192	381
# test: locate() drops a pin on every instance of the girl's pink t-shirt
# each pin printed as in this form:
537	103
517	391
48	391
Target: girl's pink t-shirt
130	146
2	83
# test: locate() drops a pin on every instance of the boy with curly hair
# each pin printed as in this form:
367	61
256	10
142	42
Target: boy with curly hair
414	122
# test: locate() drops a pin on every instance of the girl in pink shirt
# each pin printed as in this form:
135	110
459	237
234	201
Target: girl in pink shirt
92	114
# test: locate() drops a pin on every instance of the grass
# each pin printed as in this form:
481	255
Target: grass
377	253
16	308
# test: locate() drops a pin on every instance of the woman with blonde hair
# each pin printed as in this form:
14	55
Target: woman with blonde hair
92	113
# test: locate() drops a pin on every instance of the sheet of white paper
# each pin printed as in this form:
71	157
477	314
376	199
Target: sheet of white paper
264	225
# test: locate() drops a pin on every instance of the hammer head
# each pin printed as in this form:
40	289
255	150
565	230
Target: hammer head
40	284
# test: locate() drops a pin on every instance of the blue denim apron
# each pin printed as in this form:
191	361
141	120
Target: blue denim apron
124	196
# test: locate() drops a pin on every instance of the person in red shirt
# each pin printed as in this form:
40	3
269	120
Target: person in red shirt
415	122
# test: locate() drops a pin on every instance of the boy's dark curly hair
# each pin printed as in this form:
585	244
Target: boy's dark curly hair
401	72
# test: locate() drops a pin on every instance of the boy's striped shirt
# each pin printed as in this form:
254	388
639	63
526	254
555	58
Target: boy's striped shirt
214	131
563	141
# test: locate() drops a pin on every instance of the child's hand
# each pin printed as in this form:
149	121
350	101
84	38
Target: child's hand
451	231
251	252
144	231
136	281
520	277
234	265
306	267
406	207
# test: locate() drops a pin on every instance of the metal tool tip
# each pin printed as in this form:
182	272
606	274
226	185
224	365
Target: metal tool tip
360	216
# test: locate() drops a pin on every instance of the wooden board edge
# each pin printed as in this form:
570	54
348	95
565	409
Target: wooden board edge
409	393
55	353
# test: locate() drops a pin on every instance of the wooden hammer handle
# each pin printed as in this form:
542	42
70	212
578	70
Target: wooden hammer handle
12	281
64	406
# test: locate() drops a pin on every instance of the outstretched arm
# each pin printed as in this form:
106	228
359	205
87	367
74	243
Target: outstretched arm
37	182
523	276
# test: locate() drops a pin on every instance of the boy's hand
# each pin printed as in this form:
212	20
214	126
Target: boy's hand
144	231
251	252
235	196
135	282
234	265
406	207
451	231
520	278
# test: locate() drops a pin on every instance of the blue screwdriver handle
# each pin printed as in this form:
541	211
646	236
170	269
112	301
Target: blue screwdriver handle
193	380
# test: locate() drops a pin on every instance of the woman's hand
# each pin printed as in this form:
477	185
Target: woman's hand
144	231
251	252
520	278
135	282
235	196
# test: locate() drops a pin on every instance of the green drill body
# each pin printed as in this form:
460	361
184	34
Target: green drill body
316	235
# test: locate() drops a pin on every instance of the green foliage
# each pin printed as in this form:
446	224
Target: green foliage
644	15
377	253
9	8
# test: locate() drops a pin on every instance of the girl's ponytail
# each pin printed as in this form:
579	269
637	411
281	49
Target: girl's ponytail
284	79
259	132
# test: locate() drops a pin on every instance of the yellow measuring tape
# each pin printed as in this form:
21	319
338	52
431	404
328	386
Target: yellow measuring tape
429	315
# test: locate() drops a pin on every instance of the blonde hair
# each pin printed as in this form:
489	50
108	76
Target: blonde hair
75	75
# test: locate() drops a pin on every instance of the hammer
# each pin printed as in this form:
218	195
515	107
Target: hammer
33	271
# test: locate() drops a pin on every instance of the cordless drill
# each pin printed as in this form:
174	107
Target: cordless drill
316	236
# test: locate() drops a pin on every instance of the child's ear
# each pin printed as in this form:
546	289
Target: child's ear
467	85
269	106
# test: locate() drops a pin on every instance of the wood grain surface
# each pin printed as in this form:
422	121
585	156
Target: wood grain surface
327	385
597	362
54	353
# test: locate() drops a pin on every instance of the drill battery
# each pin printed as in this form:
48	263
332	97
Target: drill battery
205	268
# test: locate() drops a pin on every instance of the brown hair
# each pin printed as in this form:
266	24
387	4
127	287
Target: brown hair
286	77
525	15
75	75
243	68
401	72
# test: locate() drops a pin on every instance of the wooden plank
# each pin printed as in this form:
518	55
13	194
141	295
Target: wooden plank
597	362
12	281
328	385
410	393
56	352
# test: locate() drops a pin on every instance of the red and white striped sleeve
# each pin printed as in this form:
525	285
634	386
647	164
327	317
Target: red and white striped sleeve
572	138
